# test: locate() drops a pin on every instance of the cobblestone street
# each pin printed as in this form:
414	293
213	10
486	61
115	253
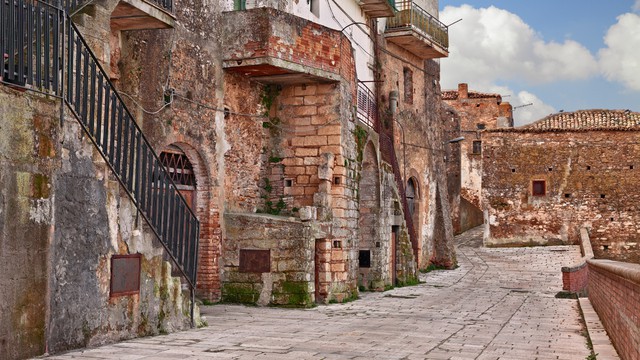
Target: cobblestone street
499	304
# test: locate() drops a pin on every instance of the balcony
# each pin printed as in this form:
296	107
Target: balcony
417	31
142	15
367	107
378	8
274	47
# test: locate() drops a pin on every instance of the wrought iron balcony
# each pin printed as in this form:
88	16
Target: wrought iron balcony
378	8
367	107
419	32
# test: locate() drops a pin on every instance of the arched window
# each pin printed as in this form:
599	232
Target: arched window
179	167
180	170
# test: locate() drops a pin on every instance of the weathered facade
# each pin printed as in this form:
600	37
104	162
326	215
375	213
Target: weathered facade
477	112
304	138
544	182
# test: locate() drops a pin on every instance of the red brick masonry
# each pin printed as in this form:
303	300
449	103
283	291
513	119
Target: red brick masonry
614	291
575	278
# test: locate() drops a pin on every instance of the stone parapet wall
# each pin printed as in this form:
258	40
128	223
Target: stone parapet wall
288	278
614	291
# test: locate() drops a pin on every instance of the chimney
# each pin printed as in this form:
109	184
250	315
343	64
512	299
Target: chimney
463	91
506	110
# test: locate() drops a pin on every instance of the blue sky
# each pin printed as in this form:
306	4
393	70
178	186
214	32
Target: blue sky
551	53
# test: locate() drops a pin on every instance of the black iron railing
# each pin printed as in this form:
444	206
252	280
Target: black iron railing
28	34
44	51
367	107
412	16
389	154
101	111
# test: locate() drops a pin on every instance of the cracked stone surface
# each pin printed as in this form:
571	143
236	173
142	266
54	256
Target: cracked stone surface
498	304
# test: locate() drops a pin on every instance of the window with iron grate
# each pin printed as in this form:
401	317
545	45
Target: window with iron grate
179	167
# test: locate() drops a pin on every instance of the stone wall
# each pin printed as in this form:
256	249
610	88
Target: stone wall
94	220
29	157
418	133
590	181
288	279
614	292
64	216
477	111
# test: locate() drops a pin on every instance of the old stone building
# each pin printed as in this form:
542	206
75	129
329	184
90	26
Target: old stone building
544	182
266	152
475	112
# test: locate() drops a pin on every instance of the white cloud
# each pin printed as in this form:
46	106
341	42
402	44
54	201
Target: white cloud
620	60
531	113
491	45
527	106
636	6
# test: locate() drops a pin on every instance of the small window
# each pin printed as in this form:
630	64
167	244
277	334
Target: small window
513	170
588	167
477	146
408	86
288	183
550	169
364	259
239	4
567	196
481	126
314	6
539	188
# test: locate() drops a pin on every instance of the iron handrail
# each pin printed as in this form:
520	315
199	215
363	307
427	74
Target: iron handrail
81	58
412	16
42	50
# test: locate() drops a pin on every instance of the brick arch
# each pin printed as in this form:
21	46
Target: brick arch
208	286
369	220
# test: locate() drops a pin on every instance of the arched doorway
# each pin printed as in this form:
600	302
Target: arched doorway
189	171
369	266
413	200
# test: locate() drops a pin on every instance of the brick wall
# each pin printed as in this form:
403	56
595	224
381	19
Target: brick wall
591	181
576	278
614	291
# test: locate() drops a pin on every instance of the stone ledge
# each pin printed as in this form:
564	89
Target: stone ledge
601	342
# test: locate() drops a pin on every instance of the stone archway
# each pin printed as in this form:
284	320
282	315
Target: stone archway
369	220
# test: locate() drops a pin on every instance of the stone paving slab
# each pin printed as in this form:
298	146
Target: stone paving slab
498	304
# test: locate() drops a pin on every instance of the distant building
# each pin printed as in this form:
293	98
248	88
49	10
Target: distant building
477	112
543	182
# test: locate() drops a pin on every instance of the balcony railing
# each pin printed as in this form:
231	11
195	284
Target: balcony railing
412	17
367	107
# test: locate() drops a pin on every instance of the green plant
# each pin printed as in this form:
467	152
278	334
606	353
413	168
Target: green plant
361	140
269	95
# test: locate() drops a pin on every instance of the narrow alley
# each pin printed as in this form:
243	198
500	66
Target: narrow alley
498	304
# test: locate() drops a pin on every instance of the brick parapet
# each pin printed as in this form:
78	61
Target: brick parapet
614	291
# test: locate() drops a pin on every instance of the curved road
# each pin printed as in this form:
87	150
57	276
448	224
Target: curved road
499	304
